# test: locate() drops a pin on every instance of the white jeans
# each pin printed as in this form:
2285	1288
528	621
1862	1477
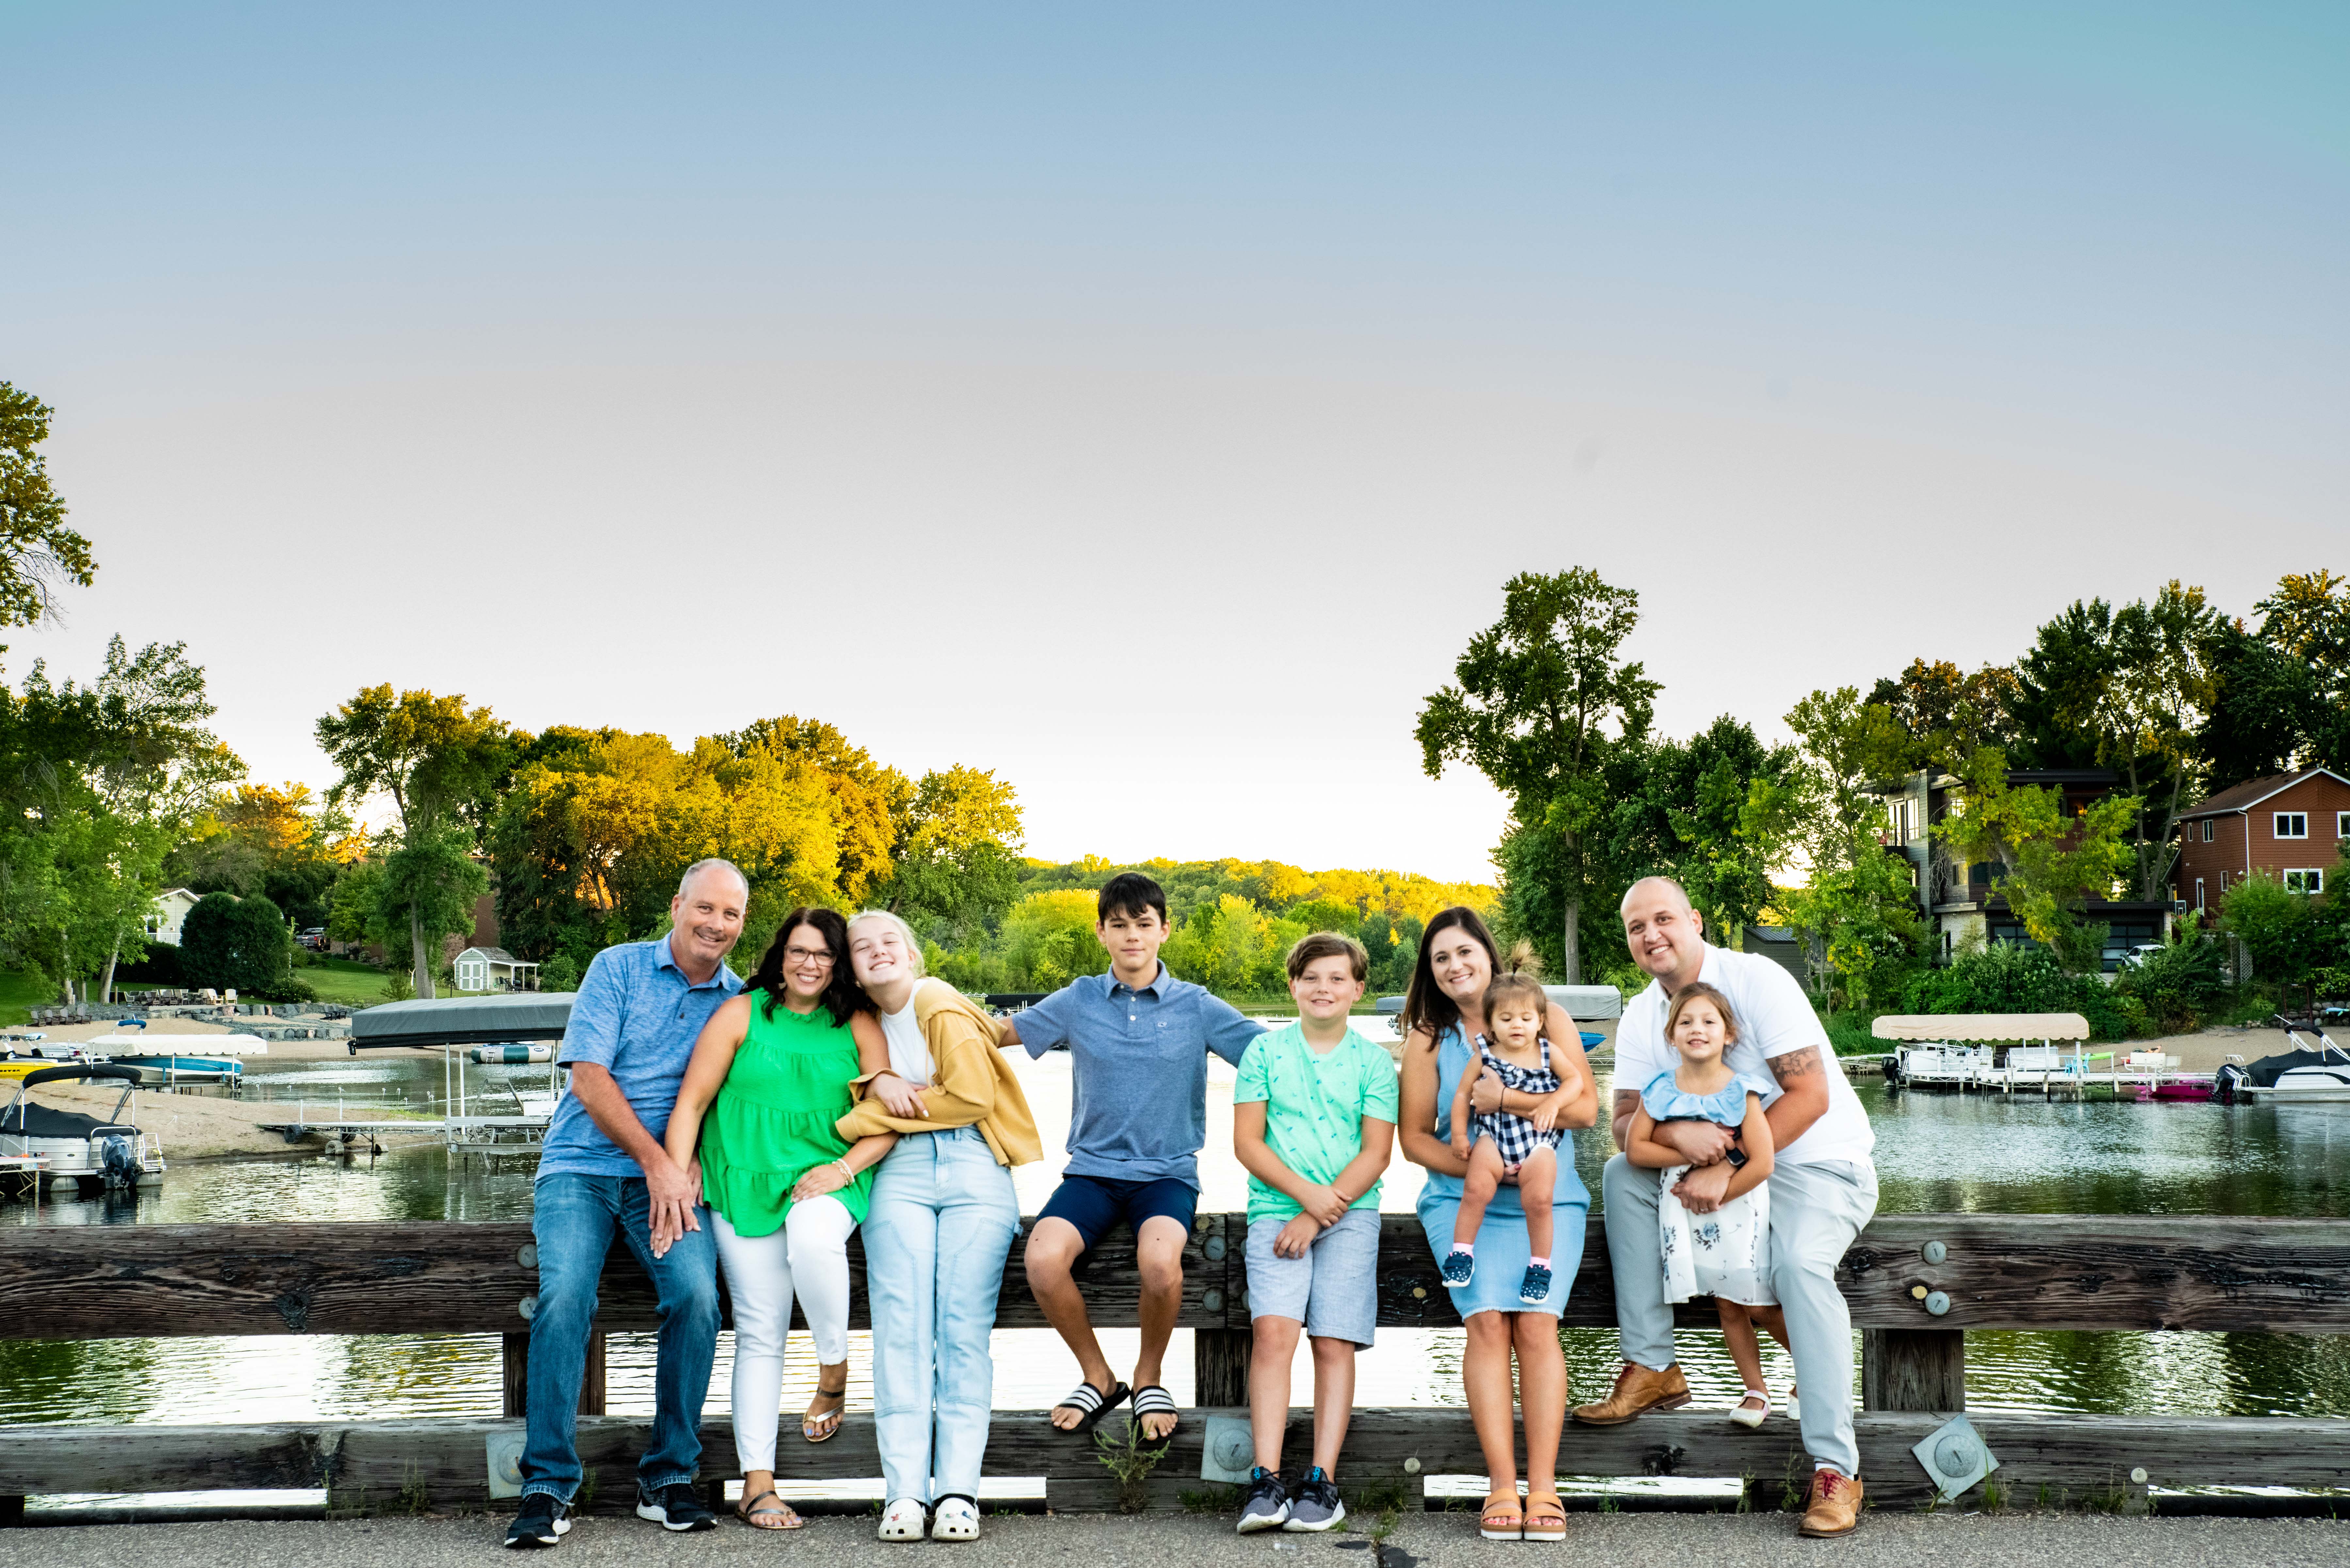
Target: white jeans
810	1256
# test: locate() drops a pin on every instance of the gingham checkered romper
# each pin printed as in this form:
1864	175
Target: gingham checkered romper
1514	1135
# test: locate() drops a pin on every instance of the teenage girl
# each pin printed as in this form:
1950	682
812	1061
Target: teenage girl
1500	1146
1723	1251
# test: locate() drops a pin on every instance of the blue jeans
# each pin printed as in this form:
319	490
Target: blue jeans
934	1307
573	1218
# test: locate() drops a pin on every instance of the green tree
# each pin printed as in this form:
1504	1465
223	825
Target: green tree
2133	690
2053	864
37	551
2306	618
1947	714
227	941
438	761
2265	709
428	886
2279	932
956	861
1541	702
1858	907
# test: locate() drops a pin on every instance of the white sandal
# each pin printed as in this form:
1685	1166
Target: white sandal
1751	1411
1795	1409
955	1519
902	1520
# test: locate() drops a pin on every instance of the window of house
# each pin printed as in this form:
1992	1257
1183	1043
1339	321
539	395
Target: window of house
2209	826
2342	825
2292	825
2310	881
2198	895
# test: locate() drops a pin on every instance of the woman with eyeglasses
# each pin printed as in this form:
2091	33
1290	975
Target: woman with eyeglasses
775	1068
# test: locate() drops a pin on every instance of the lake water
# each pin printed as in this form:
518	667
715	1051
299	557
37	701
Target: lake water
1934	1153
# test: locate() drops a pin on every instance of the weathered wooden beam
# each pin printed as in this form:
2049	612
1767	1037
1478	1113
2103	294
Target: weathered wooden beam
1913	1369
515	1354
115	1282
438	1463
2030	1272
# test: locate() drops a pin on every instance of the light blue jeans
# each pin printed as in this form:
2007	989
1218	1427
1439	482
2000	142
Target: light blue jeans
937	1232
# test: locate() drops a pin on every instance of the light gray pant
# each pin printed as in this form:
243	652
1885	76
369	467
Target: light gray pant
1816	1210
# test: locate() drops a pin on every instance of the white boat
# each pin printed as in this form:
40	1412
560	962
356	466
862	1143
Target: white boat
90	1151
2299	1076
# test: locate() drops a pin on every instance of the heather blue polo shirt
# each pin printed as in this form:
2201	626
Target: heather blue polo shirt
1139	1067
636	1016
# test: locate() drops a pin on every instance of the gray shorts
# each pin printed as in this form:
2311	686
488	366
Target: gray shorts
1334	1289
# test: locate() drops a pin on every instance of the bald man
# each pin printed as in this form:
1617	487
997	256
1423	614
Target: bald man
1823	1185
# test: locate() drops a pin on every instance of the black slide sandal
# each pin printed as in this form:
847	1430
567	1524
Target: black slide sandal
1092	1404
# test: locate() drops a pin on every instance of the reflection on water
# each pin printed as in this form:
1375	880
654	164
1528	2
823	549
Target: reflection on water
1935	1153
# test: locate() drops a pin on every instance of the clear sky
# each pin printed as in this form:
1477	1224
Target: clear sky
1147	403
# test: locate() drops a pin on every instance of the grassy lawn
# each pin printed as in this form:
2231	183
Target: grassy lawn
20	990
346	981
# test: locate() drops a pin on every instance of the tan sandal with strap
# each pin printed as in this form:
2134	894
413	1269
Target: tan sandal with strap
1545	1517
1503	1519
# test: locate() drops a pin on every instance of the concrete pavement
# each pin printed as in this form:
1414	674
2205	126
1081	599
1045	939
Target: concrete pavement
1184	1541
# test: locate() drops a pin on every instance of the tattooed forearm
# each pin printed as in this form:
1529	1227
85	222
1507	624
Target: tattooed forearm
1796	1065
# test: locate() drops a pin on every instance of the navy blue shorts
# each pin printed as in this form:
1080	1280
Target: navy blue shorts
1095	1203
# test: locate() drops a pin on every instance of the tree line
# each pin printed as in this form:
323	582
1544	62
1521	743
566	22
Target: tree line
2175	696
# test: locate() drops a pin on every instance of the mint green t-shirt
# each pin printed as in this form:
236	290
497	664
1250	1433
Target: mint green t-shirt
1314	1108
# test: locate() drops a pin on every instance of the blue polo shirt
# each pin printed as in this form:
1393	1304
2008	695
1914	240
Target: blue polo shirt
1139	1061
636	1016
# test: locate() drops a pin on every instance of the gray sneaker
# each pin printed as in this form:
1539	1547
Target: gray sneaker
1316	1504
1267	1506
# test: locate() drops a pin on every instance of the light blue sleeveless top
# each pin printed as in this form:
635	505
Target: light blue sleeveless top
1665	1100
1453	1057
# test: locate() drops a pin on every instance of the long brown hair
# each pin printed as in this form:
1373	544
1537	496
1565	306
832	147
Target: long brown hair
1424	1001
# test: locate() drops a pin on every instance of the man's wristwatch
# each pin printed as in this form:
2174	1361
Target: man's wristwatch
1737	1158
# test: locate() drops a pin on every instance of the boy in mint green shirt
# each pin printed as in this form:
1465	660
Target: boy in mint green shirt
1313	1114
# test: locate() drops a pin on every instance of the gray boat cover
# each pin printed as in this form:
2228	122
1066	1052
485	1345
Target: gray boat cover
463	1020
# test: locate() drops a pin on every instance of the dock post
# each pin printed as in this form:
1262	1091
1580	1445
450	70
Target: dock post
516	1348
1220	1356
1914	1369
12	1511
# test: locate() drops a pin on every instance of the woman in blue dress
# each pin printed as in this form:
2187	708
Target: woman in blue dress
1456	962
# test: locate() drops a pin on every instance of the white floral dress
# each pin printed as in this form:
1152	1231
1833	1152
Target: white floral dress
1726	1254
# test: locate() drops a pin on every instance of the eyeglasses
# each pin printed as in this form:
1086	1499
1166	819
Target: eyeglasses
807	955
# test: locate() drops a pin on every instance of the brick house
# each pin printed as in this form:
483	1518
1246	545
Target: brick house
2291	826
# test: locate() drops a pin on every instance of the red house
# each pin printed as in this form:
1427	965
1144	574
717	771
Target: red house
2291	826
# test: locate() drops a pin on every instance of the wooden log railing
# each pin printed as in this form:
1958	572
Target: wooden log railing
1988	1272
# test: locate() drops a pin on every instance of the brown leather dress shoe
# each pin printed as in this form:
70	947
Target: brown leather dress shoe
1836	1504
1637	1390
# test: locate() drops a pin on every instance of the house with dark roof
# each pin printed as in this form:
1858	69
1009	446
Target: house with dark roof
1963	904
2291	826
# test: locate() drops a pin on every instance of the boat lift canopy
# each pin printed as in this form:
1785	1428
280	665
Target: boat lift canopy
463	1020
1945	1026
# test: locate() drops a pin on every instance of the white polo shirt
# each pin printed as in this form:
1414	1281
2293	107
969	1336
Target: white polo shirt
1774	1017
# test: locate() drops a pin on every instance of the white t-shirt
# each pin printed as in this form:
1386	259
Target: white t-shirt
909	1054
1774	1017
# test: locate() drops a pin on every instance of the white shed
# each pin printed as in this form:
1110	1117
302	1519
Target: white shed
168	913
494	968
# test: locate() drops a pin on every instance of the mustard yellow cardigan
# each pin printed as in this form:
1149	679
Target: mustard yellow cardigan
971	1082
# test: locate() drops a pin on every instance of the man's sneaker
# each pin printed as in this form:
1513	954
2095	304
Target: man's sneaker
1267	1505
1535	1289
1459	1267
1316	1506
675	1507
542	1522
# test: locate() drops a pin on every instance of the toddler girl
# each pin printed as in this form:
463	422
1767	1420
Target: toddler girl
1500	1146
1722	1250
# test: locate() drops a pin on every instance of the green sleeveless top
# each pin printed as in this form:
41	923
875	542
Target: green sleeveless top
772	1121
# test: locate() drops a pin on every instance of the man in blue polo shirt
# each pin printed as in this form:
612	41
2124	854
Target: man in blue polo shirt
1138	1041
605	1173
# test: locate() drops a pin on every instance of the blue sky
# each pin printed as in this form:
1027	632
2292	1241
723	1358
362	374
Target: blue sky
1148	404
